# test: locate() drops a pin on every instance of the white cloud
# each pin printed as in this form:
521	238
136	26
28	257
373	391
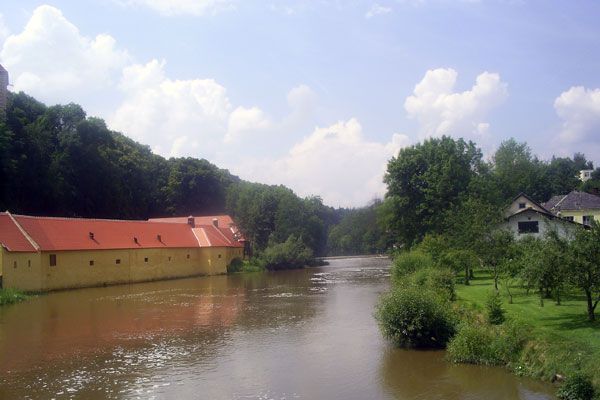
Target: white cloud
579	108
377	9
442	111
51	60
4	31
336	162
174	117
246	120
183	7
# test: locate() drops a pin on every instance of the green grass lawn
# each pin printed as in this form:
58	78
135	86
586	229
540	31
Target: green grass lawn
569	340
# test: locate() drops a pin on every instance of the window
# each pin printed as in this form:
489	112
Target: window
29	263
53	260
528	227
91	263
118	261
145	259
14	264
569	218
522	205
188	256
219	256
587	219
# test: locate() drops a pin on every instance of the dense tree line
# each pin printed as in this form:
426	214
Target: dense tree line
57	161
440	185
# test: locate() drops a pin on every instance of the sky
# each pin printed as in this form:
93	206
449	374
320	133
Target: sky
316	95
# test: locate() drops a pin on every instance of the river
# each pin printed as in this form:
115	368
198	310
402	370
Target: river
303	334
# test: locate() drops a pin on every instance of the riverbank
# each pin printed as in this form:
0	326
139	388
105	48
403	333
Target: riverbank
11	296
562	341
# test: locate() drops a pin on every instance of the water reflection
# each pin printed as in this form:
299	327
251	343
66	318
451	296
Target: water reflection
303	334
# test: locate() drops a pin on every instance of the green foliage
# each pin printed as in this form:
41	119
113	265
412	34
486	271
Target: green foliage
460	261
408	262
235	265
358	232
583	264
58	161
494	310
577	387
268	215
423	181
292	253
437	280
477	343
415	318
11	296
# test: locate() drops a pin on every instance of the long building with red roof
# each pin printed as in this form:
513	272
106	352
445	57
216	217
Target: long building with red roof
48	253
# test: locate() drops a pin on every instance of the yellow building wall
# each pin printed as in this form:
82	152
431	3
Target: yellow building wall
578	215
21	270
73	269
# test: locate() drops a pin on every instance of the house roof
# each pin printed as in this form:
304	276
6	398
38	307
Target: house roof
530	199
11	236
575	200
223	220
52	234
225	223
27	234
546	214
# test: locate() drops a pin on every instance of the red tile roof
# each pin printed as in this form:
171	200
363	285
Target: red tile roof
56	234
225	225
225	221
11	236
211	236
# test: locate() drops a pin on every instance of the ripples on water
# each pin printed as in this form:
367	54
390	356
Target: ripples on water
305	334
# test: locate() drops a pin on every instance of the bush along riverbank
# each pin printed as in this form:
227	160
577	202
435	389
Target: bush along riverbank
291	254
435	302
11	296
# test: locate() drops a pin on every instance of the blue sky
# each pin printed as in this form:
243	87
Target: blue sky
316	95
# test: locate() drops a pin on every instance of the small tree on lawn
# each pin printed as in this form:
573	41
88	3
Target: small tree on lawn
584	266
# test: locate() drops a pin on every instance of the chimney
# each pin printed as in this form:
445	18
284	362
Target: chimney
216	222
191	222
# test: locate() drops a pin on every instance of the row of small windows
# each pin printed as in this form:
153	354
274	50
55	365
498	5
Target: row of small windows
117	261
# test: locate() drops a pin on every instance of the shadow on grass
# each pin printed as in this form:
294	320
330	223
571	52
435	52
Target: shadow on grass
571	322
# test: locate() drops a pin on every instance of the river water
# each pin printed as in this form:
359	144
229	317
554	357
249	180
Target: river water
304	334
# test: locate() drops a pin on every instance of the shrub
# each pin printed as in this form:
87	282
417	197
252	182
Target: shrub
408	262
435	245
473	345
413	317
440	281
461	262
235	265
480	343
494	311
292	253
576	387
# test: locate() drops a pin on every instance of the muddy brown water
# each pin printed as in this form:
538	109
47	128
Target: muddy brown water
305	334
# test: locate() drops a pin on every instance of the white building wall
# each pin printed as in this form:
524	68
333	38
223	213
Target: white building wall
545	224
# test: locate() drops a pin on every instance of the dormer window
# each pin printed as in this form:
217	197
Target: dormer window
522	205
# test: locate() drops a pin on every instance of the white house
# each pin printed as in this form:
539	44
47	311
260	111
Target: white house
525	217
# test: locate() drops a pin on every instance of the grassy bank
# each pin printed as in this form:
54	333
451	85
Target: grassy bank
562	340
11	296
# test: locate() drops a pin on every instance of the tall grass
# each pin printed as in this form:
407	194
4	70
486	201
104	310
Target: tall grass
11	296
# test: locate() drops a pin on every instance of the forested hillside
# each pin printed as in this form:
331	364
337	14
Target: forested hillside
57	161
